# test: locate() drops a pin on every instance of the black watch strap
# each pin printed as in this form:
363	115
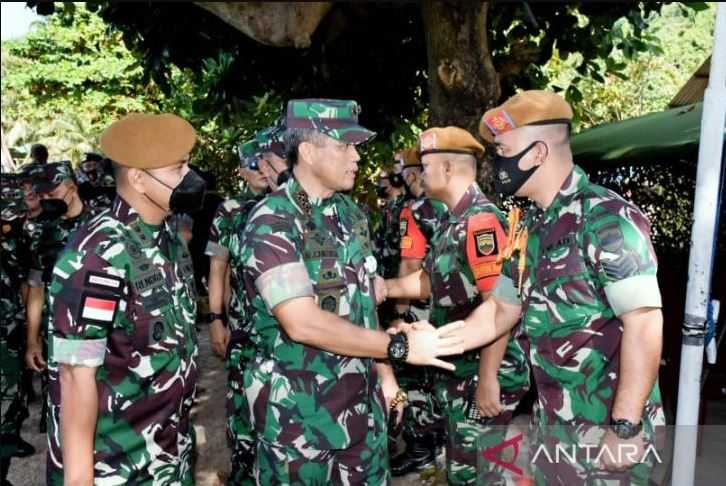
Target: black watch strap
211	317
625	429
398	348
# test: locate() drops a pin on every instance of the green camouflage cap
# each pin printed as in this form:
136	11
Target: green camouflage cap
335	118
12	197
270	139
54	174
248	152
32	171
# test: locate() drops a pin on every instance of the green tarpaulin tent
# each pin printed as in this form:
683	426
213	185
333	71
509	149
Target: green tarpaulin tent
656	137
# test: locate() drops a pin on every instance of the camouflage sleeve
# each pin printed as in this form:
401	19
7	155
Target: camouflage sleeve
215	243
88	298
618	246
35	268
272	259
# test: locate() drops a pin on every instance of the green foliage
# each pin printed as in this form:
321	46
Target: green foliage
66	80
221	122
680	40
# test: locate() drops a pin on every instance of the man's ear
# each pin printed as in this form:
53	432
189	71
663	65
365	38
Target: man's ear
448	168
542	153
136	179
305	152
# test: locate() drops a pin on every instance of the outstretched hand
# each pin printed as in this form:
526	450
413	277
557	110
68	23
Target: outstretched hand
426	344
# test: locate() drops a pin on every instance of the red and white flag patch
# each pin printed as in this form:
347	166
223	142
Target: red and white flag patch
100	309
428	141
500	122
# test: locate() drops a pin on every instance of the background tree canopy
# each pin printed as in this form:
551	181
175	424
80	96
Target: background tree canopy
86	65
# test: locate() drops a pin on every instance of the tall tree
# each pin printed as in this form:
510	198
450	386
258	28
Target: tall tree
465	55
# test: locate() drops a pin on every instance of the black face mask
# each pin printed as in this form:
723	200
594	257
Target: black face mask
397	180
52	209
508	177
382	192
187	196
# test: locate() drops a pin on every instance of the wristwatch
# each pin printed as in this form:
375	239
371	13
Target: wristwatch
407	317
398	348
211	317
625	429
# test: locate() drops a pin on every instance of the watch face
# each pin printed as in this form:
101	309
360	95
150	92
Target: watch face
398	349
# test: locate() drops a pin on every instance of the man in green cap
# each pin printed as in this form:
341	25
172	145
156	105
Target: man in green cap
229	336
318	397
123	344
273	158
13	252
63	213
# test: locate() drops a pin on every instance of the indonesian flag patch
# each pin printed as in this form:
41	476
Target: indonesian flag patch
98	309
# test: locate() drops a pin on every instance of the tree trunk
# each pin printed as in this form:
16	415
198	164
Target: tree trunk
463	83
462	80
280	24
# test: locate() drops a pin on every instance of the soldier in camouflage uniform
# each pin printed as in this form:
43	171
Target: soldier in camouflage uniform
318	409
582	277
123	345
63	213
423	427
92	182
12	319
273	159
459	272
230	339
392	190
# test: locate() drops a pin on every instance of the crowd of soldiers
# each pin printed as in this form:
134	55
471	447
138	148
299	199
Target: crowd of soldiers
354	354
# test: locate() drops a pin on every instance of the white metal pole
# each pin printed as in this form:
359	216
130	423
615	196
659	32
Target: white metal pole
700	262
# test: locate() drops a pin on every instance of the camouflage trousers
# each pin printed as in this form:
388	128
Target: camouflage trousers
422	417
467	438
362	464
240	432
558	469
11	369
576	466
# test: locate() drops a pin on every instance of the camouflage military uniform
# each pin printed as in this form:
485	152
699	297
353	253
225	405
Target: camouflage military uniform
318	416
124	301
419	222
588	260
13	252
224	242
47	239
454	295
388	237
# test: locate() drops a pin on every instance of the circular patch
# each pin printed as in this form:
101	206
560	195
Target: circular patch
329	303
158	331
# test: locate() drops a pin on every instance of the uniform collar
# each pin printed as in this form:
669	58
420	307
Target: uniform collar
302	201
571	188
123	212
471	194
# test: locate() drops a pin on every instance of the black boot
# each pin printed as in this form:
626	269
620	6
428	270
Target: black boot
24	448
419	454
4	468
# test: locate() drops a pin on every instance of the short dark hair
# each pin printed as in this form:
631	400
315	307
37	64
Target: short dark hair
39	153
293	137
